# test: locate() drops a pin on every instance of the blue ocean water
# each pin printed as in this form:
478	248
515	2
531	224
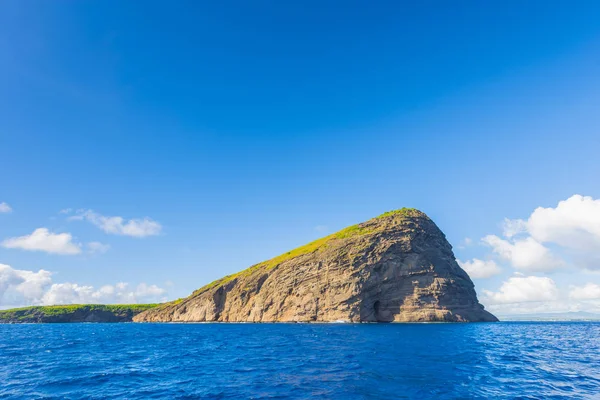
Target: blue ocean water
298	361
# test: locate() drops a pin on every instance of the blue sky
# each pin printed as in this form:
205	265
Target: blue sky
241	130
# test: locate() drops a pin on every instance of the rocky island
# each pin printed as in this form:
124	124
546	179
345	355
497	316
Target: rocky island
74	313
397	267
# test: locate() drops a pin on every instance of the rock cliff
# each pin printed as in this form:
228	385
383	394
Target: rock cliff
397	267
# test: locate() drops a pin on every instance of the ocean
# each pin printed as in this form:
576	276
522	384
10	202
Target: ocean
507	360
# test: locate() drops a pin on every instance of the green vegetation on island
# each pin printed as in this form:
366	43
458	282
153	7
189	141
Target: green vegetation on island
74	313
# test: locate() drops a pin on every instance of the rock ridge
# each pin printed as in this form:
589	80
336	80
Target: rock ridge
397	267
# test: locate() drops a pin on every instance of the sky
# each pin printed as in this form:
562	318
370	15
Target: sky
148	150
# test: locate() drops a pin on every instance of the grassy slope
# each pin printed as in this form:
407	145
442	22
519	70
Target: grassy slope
25	313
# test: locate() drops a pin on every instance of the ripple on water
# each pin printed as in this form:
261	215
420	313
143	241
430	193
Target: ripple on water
232	361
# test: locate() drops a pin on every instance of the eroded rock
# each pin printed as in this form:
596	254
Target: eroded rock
397	267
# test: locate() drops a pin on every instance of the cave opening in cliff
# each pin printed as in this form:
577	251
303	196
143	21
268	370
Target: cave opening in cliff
376	306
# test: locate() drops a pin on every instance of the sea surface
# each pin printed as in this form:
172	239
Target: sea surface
537	360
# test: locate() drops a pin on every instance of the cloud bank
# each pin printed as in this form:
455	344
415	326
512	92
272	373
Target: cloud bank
552	238
573	227
525	254
561	238
22	288
519	289
537	294
589	291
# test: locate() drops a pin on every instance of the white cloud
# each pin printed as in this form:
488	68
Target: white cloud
526	254
519	289
141	227
72	293
589	291
574	223
479	269
5	208
22	288
43	240
571	229
97	247
66	211
19	287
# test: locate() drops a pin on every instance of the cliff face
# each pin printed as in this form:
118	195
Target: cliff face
73	313
397	267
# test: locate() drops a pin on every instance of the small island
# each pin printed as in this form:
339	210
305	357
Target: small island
74	313
396	267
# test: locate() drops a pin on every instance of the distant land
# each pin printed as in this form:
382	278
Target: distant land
397	267
74	313
126	312
564	316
